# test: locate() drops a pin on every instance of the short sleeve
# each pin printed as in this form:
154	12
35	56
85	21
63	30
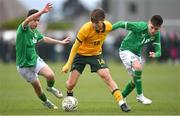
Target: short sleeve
83	32
108	26
39	35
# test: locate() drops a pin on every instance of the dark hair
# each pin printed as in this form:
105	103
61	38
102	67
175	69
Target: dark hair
97	15
156	20
32	11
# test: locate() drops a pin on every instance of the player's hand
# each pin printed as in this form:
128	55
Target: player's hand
65	69
152	54
47	8
66	40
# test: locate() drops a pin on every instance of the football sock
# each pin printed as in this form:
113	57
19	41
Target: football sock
137	81
128	89
50	83
43	97
69	93
117	95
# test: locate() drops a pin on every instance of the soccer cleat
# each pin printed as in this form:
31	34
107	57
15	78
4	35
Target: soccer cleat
55	92
143	100
125	108
50	105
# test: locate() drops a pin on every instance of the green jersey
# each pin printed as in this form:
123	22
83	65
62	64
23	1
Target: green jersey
26	40
137	37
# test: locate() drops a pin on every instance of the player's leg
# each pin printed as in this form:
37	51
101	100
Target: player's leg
129	87
77	68
105	75
127	57
72	81
32	77
138	82
137	72
37	87
43	69
133	65
98	65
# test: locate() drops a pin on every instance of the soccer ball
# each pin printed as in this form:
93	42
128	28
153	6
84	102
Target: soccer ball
69	103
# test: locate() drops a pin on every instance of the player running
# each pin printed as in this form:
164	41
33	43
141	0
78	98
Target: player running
29	64
140	33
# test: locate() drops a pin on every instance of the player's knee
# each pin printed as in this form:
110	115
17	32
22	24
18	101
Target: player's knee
137	67
50	76
103	73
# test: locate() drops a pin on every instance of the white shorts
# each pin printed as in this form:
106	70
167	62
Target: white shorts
127	58
31	74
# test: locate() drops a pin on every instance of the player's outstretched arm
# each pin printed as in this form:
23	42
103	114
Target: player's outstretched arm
53	41
46	9
119	24
71	57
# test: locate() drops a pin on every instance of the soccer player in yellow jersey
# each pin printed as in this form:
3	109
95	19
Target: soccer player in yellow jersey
87	49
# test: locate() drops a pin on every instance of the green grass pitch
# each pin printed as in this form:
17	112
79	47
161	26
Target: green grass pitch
161	83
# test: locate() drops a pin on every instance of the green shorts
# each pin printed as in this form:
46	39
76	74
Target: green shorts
95	62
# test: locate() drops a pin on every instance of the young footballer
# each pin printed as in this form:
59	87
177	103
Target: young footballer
29	64
87	49
140	33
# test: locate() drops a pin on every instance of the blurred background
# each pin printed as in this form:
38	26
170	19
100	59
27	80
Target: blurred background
161	82
67	16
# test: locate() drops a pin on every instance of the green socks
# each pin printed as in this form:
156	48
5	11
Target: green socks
128	88
130	85
43	97
137	81
50	83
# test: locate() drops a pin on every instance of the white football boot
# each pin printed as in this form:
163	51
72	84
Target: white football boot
143	99
55	92
50	105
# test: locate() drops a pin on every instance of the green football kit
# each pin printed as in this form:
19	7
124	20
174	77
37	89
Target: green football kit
137	37
130	50
26	40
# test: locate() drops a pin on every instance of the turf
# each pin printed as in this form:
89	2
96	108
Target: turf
161	83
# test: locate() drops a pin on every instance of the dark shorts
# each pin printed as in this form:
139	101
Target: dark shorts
95	62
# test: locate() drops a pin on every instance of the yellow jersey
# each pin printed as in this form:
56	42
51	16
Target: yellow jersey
92	41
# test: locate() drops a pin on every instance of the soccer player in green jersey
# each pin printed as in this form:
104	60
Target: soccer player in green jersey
140	33
28	63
